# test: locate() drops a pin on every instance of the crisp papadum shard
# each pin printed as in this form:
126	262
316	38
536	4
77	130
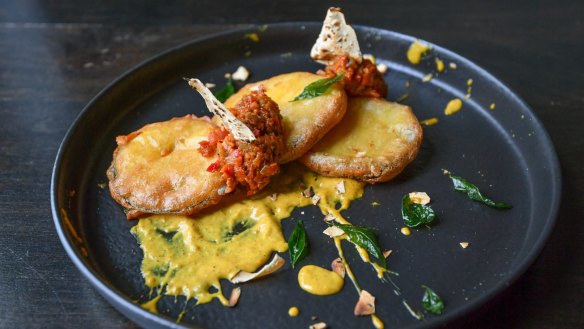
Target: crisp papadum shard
158	169
306	121
275	264
237	128
373	143
336	38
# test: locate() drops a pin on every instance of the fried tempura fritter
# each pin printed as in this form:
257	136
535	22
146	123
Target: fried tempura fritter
158	169
373	143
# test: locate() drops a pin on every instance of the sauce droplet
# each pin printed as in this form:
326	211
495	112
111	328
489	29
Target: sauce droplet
319	281
453	106
416	51
293	311
405	230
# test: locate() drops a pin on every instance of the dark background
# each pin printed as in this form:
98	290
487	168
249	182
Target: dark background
56	55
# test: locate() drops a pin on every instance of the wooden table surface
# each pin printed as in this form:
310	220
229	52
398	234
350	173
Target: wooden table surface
56	55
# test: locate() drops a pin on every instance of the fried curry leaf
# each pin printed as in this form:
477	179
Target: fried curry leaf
168	236
237	229
364	237
462	185
431	302
224	93
298	244
415	214
317	88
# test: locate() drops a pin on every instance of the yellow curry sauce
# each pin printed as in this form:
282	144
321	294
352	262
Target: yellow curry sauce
188	256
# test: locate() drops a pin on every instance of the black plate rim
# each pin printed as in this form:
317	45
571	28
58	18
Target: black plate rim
137	314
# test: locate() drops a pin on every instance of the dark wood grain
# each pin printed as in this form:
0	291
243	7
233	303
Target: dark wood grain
56	55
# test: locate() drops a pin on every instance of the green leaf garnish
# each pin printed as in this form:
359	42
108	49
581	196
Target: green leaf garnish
415	214
298	244
431	302
364	237
318	87
462	185
224	93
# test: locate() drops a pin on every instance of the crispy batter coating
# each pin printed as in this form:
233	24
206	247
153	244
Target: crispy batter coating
305	122
158	169
373	143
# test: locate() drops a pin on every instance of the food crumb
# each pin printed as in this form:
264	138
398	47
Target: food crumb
492	106
102	185
382	68
240	74
427	77
247	53
320	325
464	245
293	311
341	187
375	204
452	66
386	253
419	197
370	57
429	122
313	318
405	231
209	85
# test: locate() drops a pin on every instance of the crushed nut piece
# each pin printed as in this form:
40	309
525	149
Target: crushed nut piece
313	317
452	65
445	172
338	267
329	218
333	231
227	75
308	193
240	74
386	253
365	305
427	77
315	199
464	245
274	196
382	68
419	197
320	325
235	293
341	187
209	85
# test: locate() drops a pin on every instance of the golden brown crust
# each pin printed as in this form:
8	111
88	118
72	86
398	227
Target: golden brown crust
375	141
158	169
306	121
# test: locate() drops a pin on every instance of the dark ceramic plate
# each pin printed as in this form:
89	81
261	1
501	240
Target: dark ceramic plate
504	151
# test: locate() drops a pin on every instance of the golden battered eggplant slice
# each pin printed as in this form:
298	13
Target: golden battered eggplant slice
158	169
306	121
373	143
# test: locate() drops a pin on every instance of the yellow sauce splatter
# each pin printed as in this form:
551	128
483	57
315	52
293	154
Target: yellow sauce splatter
253	37
429	122
453	106
439	65
405	231
416	51
492	107
293	311
319	281
189	256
